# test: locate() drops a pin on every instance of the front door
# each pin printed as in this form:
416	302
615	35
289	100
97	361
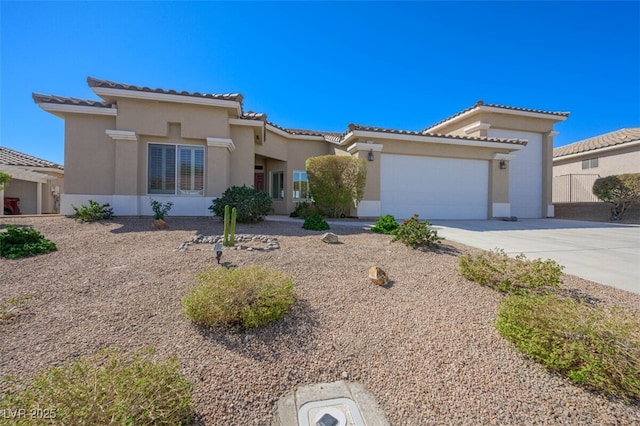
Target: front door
258	181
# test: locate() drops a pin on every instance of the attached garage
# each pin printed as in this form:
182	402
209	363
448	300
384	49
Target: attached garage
434	188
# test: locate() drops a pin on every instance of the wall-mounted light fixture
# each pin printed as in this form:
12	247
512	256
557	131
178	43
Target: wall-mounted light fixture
503	164
370	156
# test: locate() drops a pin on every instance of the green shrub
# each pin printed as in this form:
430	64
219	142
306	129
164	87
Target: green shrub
248	296
4	180
414	233
160	210
386	224
106	389
336	182
496	270
251	205
621	191
595	347
18	242
93	212
304	210
315	223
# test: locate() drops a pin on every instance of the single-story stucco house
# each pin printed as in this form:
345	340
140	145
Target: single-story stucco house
36	182
138	143
576	166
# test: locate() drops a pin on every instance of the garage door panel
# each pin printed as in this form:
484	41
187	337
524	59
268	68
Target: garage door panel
434	188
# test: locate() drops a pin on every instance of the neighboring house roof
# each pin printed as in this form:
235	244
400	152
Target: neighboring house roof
10	157
619	137
479	105
95	82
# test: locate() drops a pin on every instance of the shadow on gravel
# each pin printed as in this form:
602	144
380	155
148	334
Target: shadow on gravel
293	333
214	226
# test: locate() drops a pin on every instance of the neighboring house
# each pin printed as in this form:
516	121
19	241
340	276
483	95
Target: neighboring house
139	143
576	166
37	183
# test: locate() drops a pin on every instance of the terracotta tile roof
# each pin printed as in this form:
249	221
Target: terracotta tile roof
52	99
481	103
254	116
515	141
94	82
15	158
618	137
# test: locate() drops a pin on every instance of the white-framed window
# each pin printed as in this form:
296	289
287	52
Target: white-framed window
301	190
590	163
175	169
276	188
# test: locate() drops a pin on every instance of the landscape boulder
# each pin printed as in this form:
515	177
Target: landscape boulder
330	238
378	276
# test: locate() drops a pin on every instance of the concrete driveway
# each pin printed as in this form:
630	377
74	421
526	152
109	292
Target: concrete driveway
602	252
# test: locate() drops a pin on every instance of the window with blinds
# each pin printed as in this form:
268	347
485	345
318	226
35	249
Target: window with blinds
175	169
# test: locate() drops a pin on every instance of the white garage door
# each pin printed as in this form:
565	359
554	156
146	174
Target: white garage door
525	174
434	188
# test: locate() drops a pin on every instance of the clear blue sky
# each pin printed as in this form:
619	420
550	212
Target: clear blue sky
321	65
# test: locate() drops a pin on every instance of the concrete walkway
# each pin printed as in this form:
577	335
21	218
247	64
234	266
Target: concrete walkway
602	252
605	253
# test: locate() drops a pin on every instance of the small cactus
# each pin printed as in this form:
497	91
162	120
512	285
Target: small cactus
228	239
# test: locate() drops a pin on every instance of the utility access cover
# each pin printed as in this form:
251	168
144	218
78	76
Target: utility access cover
330	412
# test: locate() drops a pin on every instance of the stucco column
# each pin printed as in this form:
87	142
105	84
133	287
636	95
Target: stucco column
126	162
499	201
218	166
38	198
370	205
547	174
2	198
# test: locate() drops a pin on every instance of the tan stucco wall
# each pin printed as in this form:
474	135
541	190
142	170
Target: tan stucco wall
89	154
243	158
614	162
152	118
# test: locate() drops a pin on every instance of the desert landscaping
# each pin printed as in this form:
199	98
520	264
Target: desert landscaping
424	345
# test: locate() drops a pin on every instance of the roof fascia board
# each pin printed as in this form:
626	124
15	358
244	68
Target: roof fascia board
165	97
591	152
432	139
365	146
531	114
462	116
77	109
243	122
290	136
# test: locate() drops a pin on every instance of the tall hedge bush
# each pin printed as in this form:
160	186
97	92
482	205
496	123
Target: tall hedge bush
336	182
621	191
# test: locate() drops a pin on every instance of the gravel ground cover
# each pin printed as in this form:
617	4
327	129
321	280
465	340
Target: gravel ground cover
424	345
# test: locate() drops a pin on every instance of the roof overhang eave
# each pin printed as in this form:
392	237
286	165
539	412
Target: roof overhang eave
483	108
61	109
109	94
430	139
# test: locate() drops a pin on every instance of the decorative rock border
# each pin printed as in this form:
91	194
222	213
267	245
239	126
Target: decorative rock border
253	242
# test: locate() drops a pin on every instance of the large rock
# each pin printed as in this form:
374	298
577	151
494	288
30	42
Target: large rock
159	224
378	276
330	238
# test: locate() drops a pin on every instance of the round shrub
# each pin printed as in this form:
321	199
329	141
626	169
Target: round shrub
595	347
496	270
315	223
414	233
18	242
251	205
93	212
386	224
247	296
106	389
